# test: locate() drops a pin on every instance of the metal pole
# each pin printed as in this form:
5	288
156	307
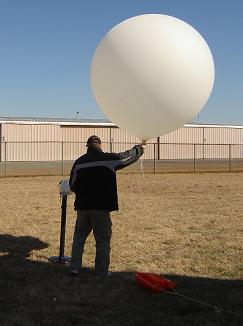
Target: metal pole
158	141
61	259
229	157
5	159
194	158
63	227
154	157
62	161
203	142
110	141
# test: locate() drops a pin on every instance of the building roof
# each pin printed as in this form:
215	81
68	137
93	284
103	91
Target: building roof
59	121
212	125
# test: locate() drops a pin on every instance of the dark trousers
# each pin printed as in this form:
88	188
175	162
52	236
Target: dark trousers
100	222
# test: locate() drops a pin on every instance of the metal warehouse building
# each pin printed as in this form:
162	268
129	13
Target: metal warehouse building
32	139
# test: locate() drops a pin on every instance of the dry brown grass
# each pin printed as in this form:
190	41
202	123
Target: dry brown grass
187	226
191	224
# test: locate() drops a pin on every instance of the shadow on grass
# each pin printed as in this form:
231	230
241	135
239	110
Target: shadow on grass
37	293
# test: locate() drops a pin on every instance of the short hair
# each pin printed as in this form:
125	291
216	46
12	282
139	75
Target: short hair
93	140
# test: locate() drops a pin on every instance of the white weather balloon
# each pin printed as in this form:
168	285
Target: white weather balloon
151	74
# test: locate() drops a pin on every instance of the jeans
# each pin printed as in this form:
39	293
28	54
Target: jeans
100	222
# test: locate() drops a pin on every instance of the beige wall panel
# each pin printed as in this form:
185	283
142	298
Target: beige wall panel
122	141
75	139
82	133
176	151
122	136
193	135
202	151
47	142
102	132
34	151
215	151
26	142
113	139
28	132
70	133
72	150
237	151
222	135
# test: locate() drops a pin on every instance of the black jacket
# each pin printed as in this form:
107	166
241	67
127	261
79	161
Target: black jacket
93	177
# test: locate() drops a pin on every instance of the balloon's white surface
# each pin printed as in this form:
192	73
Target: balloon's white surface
151	74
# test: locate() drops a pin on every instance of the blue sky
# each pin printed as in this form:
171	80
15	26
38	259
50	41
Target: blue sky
46	47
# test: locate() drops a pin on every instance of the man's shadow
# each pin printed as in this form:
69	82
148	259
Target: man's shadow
19	247
43	293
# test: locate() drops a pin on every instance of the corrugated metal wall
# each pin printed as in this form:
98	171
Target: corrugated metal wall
178	144
184	135
74	139
31	132
222	135
207	135
113	140
54	142
31	142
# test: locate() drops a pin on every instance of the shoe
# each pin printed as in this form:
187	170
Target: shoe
105	275
74	272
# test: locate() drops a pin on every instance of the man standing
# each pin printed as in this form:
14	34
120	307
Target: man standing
93	180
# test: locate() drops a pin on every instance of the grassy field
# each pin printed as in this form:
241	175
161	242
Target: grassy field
187	227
